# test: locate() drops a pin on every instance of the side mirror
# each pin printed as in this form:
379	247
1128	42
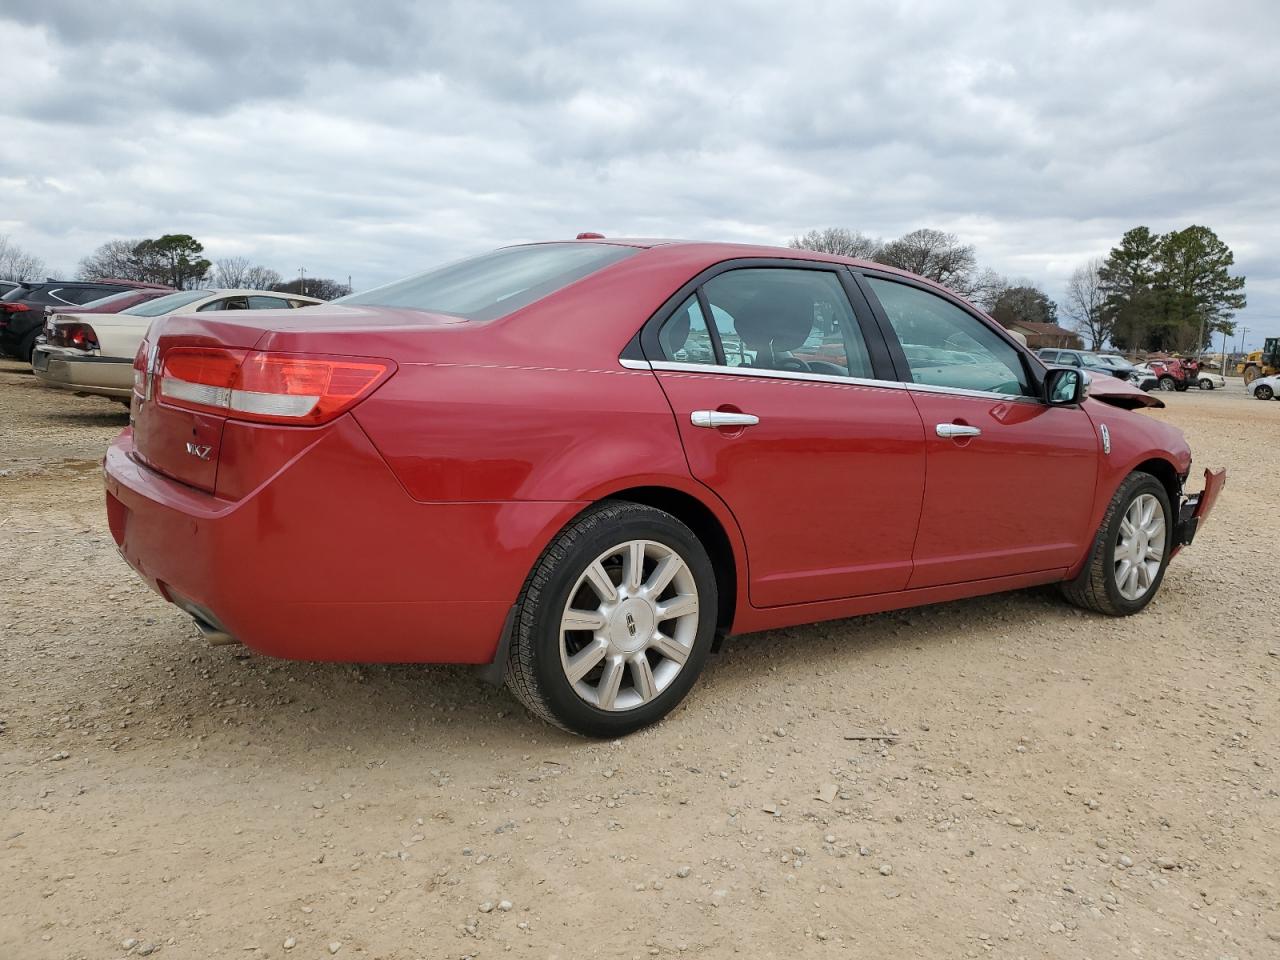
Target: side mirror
1065	387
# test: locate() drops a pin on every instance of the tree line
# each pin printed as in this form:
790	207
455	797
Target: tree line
945	259
176	260
1152	292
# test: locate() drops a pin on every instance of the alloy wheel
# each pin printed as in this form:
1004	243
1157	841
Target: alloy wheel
1140	548
629	625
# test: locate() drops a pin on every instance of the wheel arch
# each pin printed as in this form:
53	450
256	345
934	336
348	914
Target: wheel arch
1164	471
710	529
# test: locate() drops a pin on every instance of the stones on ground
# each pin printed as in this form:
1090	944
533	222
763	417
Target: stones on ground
61	755
827	793
335	946
147	949
1125	861
683	871
486	907
886	870
290	942
1165	863
128	943
505	905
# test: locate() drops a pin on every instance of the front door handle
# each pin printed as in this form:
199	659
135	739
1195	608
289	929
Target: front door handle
716	419
957	430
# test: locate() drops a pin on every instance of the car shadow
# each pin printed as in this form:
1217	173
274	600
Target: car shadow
378	708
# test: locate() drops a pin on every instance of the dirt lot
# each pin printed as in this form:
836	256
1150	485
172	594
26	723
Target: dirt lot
1058	785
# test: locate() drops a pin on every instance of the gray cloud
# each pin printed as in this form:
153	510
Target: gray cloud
375	140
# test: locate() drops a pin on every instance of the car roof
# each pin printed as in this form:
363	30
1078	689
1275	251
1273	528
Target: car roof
713	252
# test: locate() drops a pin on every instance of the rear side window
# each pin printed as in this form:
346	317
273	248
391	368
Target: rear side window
773	318
495	284
267	303
947	346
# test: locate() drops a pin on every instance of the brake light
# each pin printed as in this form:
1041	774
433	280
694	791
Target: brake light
78	335
264	387
10	307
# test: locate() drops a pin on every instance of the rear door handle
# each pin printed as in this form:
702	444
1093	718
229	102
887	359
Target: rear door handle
957	430
715	419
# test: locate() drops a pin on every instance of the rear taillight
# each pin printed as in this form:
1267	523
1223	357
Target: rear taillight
140	369
8	307
78	335
263	387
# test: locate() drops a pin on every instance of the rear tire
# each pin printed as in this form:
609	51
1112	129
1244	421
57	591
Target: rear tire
1105	585
1206	384
641	663
27	348
1168	384
1264	392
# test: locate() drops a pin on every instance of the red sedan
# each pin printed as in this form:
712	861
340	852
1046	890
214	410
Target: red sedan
583	463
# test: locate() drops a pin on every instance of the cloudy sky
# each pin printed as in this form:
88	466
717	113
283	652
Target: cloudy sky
378	138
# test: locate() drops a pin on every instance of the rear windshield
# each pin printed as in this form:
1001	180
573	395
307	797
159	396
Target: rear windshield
495	284
111	298
174	301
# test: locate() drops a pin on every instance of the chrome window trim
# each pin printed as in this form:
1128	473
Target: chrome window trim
676	367
979	394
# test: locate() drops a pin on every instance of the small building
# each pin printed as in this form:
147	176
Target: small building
1047	335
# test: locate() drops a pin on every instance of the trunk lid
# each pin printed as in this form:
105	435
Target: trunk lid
187	444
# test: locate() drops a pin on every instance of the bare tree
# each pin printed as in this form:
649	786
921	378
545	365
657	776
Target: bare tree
934	254
115	260
1085	301
987	288
839	241
229	272
16	263
261	278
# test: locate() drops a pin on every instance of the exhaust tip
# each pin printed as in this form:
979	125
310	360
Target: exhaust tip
212	635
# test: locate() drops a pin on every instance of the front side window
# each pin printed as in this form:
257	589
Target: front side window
947	346
495	284
775	318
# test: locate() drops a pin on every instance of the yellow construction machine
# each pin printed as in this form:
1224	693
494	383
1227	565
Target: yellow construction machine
1261	363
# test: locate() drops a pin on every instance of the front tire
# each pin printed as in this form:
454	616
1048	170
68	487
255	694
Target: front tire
1168	384
1206	384
1130	552
614	623
1264	392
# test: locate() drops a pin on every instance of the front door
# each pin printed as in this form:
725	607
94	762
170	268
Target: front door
783	416
1010	479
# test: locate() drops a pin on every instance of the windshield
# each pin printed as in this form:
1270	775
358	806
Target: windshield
494	284
162	305
1111	360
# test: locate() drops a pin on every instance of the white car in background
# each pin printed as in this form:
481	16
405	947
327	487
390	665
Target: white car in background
1208	380
1265	388
92	353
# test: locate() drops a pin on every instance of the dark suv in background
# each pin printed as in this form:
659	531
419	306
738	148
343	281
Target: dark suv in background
1108	363
23	309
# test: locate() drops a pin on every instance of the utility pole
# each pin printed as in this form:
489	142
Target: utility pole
302	280
1243	331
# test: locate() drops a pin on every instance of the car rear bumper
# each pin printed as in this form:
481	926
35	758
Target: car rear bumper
83	373
330	559
1195	509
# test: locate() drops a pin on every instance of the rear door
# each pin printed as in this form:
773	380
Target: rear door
787	409
1010	479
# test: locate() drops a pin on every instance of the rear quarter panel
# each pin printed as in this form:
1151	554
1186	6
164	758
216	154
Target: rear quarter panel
118	334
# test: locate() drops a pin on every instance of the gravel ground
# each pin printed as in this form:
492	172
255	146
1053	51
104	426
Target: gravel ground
1049	783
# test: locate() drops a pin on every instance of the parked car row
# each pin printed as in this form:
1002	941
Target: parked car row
84	335
1164	373
91	354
